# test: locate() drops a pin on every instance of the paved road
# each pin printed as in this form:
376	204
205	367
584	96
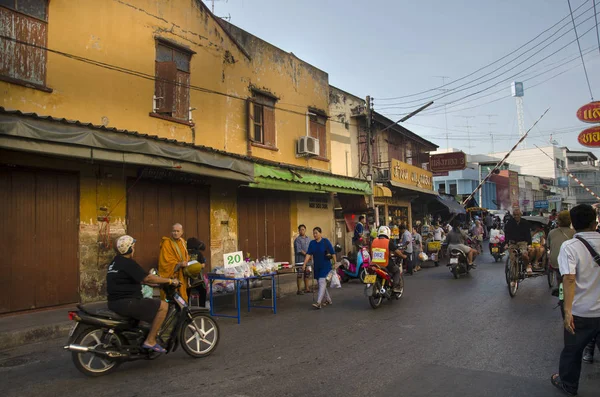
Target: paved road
445	337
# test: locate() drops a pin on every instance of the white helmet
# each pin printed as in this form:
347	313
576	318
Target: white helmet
384	231
124	243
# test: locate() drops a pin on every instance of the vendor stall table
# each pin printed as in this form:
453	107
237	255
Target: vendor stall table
238	282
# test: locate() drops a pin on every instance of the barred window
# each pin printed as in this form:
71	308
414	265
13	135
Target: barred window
318	202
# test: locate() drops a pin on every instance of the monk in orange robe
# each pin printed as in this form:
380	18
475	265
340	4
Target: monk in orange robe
173	252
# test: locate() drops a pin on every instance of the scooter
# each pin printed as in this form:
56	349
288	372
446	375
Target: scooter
352	267
458	263
101	340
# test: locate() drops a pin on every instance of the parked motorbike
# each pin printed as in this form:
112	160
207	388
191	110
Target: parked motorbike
379	284
458	263
354	266
101	340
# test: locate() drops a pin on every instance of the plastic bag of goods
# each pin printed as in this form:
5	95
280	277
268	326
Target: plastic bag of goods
229	287
423	256
335	281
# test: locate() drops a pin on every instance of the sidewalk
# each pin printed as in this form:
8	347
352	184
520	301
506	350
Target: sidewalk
27	327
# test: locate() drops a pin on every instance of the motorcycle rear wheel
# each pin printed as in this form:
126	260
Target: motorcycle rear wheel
199	336
455	272
88	363
376	298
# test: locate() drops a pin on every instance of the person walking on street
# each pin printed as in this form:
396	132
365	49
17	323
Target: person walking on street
320	251
581	286
300	249
406	240
417	247
489	221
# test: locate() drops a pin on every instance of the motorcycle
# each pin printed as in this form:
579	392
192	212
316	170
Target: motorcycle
458	263
379	284
497	250
101	340
351	266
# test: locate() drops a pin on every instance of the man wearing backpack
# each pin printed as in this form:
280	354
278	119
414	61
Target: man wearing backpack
579	264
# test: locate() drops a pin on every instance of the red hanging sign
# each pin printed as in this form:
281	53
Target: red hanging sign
590	137
589	113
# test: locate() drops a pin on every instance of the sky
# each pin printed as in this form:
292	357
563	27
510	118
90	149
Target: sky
390	49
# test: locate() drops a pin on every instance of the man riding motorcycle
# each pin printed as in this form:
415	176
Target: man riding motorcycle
381	248
456	239
123	285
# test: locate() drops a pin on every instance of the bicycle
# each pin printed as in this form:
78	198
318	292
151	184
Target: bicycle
516	274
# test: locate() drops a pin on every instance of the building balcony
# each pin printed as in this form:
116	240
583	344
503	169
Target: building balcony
578	167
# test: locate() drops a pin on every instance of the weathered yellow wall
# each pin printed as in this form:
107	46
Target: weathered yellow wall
344	132
312	217
123	33
223	221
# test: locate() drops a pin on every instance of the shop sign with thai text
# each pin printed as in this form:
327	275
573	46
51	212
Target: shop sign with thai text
411	175
589	113
454	161
590	137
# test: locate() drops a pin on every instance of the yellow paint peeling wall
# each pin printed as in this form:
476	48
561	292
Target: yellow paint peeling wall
123	32
223	221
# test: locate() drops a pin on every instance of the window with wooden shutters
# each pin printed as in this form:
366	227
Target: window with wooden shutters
318	130
25	21
261	121
172	89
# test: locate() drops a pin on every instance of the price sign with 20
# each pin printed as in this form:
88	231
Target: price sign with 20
233	259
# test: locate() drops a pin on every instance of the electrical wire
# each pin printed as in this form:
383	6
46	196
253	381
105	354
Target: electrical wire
470	84
480	69
579	44
152	77
597	31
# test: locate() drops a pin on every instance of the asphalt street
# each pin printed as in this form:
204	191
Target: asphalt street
445	337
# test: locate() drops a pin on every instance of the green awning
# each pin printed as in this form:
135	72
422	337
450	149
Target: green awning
278	178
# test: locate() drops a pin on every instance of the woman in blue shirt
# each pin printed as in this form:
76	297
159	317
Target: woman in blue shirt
320	251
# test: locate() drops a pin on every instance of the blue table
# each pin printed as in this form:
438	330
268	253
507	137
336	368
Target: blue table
237	282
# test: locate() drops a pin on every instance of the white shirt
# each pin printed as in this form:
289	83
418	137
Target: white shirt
437	234
575	259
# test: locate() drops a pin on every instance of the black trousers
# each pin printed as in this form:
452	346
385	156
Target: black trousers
570	359
408	262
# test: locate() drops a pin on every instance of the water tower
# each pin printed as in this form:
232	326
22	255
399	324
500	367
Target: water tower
518	92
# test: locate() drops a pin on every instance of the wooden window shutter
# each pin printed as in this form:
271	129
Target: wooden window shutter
182	96
322	140
166	75
250	119
269	126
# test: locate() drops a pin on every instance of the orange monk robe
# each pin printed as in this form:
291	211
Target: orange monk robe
168	258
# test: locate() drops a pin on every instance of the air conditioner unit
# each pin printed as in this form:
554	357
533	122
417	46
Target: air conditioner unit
384	174
307	145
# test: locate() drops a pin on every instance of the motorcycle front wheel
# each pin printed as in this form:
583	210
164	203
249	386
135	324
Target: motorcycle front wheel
88	363
362	274
199	335
376	298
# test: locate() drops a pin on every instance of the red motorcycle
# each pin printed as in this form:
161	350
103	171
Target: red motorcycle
379	284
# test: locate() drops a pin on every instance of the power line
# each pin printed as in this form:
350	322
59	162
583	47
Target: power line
456	90
597	31
482	68
152	77
579	45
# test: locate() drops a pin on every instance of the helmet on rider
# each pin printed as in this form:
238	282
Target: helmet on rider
384	231
125	244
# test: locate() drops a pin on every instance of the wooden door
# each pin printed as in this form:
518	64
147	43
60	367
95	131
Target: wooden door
153	207
39	231
264	223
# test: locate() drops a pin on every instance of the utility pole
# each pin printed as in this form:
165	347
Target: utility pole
369	113
445	113
468	127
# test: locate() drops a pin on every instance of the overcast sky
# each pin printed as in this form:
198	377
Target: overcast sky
390	49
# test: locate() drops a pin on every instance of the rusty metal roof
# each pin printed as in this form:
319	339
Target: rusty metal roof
251	159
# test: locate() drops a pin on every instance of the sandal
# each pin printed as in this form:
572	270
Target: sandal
317	305
300	293
327	303
307	291
556	382
157	348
